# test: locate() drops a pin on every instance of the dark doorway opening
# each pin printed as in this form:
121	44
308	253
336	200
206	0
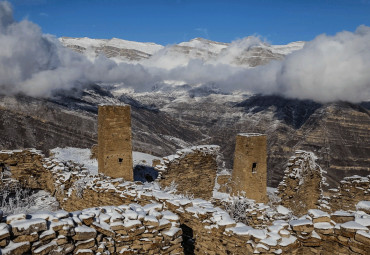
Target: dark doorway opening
188	241
145	173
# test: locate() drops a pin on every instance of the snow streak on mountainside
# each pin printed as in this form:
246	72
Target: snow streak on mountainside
180	54
117	49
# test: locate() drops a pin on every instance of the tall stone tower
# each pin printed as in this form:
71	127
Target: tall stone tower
114	141
250	167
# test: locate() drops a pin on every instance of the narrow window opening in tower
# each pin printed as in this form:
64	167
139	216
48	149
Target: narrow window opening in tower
254	168
120	160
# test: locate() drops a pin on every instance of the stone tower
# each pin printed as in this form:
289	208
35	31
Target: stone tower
114	141
250	167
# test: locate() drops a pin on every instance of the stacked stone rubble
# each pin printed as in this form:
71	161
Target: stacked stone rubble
350	191
126	229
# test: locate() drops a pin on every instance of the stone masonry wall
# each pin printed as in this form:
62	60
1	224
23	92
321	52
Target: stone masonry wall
114	141
213	230
301	187
193	170
249	174
351	190
126	229
27	167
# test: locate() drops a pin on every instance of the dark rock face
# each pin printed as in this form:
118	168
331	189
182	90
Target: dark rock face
338	133
293	112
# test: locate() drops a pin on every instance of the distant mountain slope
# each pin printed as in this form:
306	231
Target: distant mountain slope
70	119
338	133
113	48
163	121
238	53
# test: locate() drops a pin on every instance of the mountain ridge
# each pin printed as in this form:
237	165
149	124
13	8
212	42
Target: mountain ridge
121	50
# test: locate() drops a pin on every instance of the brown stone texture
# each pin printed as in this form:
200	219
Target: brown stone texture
224	180
114	141
351	190
27	167
94	152
212	230
193	170
250	167
138	236
301	188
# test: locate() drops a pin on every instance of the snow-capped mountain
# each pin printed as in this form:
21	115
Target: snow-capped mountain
117	49
248	52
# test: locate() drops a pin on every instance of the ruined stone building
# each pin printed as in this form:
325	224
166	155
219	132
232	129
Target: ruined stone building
249	175
114	141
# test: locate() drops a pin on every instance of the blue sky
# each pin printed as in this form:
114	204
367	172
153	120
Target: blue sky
174	21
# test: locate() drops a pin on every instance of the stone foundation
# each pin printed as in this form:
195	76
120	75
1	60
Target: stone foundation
351	190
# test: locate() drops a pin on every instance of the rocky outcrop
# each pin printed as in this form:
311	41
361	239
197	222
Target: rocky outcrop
338	134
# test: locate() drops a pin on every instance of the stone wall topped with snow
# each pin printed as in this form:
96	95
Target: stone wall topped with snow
126	229
193	170
132	223
351	190
301	187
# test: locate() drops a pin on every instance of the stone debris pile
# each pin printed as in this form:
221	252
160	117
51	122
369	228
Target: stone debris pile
126	229
351	190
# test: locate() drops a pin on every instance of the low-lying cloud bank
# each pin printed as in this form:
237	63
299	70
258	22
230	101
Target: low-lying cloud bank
329	68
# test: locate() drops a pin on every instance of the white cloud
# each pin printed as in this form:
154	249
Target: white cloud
328	68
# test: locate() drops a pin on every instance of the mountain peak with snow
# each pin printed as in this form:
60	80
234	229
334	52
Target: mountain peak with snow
240	52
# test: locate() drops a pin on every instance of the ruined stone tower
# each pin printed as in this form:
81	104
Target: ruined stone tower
114	141
250	167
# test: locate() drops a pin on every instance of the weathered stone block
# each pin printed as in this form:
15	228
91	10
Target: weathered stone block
26	227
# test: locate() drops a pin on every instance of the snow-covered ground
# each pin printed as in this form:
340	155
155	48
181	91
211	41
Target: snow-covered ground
27	201
82	156
78	155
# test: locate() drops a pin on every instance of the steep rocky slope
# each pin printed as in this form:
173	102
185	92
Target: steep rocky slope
71	120
338	133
